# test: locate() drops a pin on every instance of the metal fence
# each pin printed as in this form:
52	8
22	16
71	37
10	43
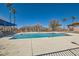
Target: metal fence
68	52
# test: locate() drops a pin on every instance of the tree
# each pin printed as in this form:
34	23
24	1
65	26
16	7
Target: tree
14	12
73	18
54	24
9	5
64	20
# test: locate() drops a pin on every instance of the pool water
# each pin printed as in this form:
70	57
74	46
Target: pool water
37	35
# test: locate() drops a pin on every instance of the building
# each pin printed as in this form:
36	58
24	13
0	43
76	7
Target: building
6	26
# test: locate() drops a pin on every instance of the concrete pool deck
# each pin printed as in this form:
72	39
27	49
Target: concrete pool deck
37	46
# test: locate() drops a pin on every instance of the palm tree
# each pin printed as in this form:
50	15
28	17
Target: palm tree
14	12
74	18
9	5
64	20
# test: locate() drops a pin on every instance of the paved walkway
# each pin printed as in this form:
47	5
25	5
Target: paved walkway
40	46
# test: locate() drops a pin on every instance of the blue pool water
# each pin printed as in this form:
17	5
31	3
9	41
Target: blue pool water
38	35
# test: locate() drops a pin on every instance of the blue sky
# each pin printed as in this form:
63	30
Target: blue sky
30	14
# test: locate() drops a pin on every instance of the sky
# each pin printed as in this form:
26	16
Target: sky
30	13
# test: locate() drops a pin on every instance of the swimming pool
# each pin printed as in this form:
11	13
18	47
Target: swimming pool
37	35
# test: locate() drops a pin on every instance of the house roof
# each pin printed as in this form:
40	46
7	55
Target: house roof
74	24
5	23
